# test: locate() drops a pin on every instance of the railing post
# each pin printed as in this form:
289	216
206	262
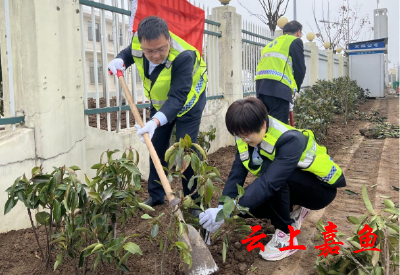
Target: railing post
48	82
314	62
329	56
230	52
341	65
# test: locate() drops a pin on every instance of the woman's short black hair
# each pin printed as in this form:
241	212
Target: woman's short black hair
152	27
246	116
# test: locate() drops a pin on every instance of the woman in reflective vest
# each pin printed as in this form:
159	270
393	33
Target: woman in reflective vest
291	169
157	92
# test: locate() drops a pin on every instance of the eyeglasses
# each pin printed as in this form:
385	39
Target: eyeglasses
153	52
245	138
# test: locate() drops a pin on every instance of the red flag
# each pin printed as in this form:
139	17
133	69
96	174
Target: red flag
184	19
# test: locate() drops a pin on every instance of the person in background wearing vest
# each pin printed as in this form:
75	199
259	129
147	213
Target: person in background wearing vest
281	71
174	79
291	169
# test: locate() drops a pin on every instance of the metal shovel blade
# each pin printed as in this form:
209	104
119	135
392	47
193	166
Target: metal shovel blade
203	262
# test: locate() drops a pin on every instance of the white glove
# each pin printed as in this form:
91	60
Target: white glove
116	64
149	127
207	219
291	107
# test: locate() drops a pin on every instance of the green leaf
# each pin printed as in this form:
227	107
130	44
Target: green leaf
115	245
58	261
179	157
10	203
182	245
188	141
74	167
367	202
220	216
96	166
145	206
353	220
375	256
240	190
81	259
389	204
96	261
195	162
146	217
228	207
223	252
124	258
90	246
208	192
154	231
106	194
131	168
57	211
42	217
98	247
392	210
35	170
201	151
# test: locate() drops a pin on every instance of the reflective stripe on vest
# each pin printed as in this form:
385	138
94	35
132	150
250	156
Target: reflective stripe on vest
157	92
313	159
279	55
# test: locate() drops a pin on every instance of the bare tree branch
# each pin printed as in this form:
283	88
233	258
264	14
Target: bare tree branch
272	10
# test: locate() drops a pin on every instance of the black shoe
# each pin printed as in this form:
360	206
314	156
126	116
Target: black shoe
149	201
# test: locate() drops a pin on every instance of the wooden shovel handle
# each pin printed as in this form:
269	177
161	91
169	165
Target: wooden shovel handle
147	140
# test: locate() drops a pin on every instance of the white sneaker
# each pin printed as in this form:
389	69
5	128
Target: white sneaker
298	216
279	240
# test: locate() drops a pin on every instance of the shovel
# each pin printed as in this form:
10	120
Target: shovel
203	262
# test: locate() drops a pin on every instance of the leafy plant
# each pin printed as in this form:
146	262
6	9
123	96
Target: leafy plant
385	225
234	224
112	193
205	138
314	109
81	223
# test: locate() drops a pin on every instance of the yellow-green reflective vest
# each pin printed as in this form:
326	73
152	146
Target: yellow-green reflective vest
314	158
158	93
275	62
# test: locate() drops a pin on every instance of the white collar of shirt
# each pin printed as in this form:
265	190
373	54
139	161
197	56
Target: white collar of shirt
152	65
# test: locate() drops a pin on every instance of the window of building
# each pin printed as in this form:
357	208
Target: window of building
90	37
99	71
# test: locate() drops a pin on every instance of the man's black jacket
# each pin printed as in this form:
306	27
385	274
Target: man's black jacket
277	89
181	83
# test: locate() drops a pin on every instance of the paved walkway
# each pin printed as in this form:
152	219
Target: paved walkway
366	161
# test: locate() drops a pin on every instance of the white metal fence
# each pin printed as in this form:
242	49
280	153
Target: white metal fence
254	39
104	34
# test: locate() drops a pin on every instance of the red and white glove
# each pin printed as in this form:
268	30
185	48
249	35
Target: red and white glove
116	64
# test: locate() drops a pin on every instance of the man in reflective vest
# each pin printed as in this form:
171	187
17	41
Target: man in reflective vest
281	70
174	80
291	169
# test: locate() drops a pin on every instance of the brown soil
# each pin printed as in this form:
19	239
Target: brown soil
113	115
19	253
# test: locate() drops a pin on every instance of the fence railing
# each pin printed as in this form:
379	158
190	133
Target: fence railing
254	39
105	33
12	119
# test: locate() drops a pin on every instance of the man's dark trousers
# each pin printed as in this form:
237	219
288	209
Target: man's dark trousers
187	124
276	107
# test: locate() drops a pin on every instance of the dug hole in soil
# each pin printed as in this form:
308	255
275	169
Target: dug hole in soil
19	252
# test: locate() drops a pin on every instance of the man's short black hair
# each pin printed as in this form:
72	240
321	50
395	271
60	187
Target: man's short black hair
292	27
246	116
152	27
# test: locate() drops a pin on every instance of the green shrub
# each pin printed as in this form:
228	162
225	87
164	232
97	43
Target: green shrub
384	225
314	109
